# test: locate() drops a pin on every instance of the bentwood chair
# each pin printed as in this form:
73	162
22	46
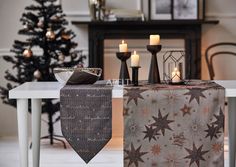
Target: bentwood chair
218	49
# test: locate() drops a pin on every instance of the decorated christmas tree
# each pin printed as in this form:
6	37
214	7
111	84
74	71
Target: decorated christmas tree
47	44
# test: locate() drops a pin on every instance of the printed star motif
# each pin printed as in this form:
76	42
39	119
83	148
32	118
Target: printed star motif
161	123
150	133
219	120
171	97
196	128
195	155
212	131
132	128
186	110
171	160
134	94
134	155
156	149
217	147
195	94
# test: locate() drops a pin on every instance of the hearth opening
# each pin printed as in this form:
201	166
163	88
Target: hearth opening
112	63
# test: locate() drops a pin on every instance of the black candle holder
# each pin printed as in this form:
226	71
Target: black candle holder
124	73
135	75
154	76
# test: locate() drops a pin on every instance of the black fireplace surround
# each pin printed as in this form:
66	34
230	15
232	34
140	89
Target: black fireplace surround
189	30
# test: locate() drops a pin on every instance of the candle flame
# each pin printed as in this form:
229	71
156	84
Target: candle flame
134	52
123	41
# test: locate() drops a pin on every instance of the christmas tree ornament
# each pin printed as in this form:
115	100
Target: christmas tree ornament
40	24
37	74
50	34
61	57
27	53
65	36
55	17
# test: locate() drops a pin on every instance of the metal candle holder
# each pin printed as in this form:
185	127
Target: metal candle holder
135	75
173	59
124	73
154	76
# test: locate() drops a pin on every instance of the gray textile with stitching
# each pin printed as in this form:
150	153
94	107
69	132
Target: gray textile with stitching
86	118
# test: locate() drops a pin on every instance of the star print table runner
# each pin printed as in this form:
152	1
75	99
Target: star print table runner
174	126
86	118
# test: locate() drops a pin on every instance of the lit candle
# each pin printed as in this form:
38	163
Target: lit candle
154	39
135	60
123	47
175	75
94	2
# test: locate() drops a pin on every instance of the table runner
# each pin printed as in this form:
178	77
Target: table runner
174	126
86	118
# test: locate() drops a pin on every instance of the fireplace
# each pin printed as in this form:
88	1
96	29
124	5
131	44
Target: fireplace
187	30
112	64
189	33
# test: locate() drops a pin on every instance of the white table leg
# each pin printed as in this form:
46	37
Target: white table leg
22	119
36	128
232	130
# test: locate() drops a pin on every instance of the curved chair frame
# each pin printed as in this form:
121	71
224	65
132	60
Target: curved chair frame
209	57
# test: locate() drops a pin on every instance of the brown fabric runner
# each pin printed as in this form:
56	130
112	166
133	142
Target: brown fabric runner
86	118
177	126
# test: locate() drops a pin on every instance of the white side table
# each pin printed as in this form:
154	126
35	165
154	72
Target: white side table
36	91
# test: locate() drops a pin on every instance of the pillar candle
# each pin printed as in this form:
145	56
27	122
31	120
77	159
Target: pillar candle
94	2
175	75
154	39
135	60
123	47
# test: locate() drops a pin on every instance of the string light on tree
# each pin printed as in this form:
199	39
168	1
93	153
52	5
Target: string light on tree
37	74
61	57
50	34
26	27
73	55
27	53
55	17
65	36
40	24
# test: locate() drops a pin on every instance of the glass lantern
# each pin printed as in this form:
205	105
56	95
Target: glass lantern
173	67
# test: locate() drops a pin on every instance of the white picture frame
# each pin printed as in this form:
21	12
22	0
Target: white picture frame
160	9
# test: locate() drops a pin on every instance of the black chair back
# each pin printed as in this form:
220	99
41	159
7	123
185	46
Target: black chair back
213	50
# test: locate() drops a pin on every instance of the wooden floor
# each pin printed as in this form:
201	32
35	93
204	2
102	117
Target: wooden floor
57	156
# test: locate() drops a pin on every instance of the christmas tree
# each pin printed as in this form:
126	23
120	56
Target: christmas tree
44	28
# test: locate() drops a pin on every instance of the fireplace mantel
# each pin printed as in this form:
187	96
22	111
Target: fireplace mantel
189	30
